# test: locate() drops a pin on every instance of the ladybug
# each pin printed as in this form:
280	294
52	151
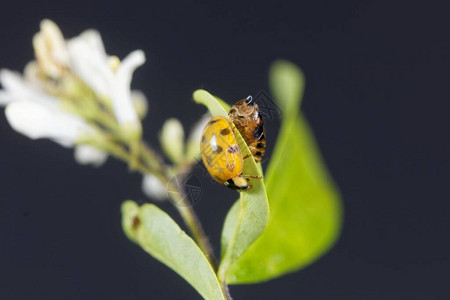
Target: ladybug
222	155
246	117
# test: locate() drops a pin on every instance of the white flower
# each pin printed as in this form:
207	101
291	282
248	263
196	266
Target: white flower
32	111
16	88
50	49
36	120
37	115
88	155
193	142
172	140
154	188
107	76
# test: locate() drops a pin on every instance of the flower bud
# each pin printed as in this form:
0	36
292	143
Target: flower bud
50	49
193	143
88	155
154	188
172	140
140	103
132	131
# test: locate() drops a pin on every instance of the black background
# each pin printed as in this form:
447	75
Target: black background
376	96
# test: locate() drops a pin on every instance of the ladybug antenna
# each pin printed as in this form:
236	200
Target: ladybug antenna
249	100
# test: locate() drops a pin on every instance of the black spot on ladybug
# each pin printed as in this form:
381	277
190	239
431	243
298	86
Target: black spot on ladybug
213	121
225	131
218	149
260	145
258	153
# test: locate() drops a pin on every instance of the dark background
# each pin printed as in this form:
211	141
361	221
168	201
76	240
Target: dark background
376	96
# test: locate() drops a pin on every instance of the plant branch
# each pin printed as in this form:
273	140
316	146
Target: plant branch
191	220
149	163
146	161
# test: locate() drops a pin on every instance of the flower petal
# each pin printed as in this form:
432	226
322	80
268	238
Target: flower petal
5	98
50	49
93	40
89	61
16	88
88	155
120	88
36	121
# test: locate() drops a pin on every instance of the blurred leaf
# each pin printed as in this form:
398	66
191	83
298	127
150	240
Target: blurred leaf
305	207
248	217
161	237
287	84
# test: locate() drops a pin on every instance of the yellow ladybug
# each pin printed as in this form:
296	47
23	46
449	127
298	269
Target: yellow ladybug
222	156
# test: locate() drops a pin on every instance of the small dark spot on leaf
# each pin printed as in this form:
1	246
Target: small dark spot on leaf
136	223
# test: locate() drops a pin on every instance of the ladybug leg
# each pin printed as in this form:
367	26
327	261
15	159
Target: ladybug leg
247	156
252	176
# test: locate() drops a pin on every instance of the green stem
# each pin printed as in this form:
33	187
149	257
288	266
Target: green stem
179	200
192	222
225	290
145	160
149	163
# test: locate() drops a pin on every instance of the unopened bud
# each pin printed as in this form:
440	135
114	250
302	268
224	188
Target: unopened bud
154	188
172	140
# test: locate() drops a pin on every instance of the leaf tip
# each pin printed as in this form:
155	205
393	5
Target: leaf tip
287	83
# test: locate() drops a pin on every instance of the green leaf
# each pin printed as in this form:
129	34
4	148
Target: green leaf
248	217
287	84
215	105
305	206
161	237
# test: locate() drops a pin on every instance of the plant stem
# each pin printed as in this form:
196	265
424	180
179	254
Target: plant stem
192	222
150	163
225	290
179	199
146	161
140	157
